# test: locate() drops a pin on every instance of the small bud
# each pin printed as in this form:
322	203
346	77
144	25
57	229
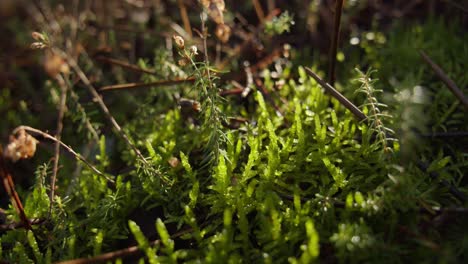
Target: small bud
179	41
38	45
193	50
37	36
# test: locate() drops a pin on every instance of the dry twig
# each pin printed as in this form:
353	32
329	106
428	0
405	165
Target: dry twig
143	85
122	253
69	149
124	64
101	103
334	42
443	76
9	186
63	99
338	96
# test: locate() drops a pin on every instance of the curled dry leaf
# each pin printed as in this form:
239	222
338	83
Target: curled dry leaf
21	146
215	9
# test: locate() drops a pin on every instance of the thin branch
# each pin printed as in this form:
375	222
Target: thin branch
338	96
101	103
144	85
9	186
185	18
69	149
334	41
124	64
122	253
17	225
443	76
259	10
63	99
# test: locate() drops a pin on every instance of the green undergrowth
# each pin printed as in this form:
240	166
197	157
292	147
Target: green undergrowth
307	183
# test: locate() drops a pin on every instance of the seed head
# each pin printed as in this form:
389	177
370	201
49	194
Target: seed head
179	41
193	50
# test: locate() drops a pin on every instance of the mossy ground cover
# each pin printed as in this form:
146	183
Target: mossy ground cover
215	168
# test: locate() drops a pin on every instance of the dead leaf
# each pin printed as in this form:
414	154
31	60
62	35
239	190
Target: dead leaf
223	32
215	9
21	146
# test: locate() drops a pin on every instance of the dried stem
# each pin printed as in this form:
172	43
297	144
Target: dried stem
259	10
143	85
9	186
338	96
124	64
443	76
185	18
69	149
101	103
126	252
61	111
334	42
17	225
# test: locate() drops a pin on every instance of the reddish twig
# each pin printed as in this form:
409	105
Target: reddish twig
9	186
443	76
338	96
144	85
259	10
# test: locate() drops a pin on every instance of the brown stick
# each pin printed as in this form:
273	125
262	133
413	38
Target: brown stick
185	18
259	10
101	104
443	76
17	225
142	85
124	64
69	149
126	252
10	188
338	96
63	99
334	42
